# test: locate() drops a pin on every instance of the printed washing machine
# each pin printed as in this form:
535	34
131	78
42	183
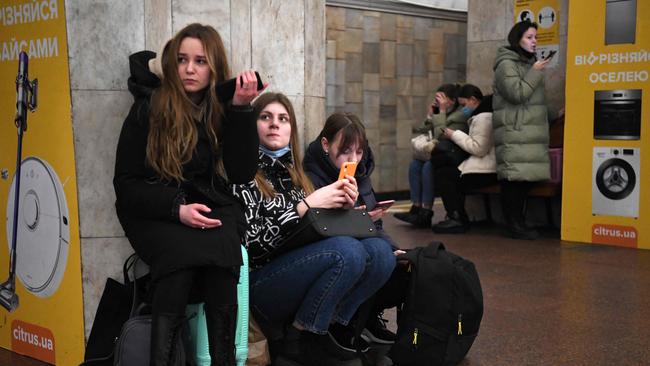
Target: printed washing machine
615	181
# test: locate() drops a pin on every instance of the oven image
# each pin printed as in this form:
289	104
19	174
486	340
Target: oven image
615	181
617	114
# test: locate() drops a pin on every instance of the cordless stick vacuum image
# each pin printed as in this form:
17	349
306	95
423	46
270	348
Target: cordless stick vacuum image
26	99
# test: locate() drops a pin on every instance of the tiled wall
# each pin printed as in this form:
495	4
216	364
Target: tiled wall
288	50
385	68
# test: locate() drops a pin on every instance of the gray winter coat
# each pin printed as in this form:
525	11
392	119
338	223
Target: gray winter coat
520	119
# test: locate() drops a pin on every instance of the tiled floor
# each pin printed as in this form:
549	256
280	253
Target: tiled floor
546	302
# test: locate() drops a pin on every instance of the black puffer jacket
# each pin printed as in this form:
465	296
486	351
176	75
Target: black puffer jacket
145	203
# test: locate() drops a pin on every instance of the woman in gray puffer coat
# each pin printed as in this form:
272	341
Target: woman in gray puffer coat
520	124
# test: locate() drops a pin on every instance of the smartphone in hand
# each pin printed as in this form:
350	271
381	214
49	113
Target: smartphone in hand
550	54
347	168
384	205
226	90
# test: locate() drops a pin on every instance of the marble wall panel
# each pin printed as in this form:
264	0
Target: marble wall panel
335	96
287	35
387	91
354	108
420	109
452	76
354	67
335	17
387	177
101	258
298	102
420	86
405	21
315	48
98	50
480	59
331	49
420	58
371	109
404	62
354	93
435	80
387	27
421	28
371	82
373	139
404	85
404	157
240	35
351	41
340	72
486	20
387	124
436	62
212	12
404	35
354	18
97	122
387	59
436	40
157	24
330	70
371	28
404	108
452	54
314	117
404	134
370	57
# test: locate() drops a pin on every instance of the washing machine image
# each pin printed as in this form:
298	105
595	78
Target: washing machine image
43	228
615	181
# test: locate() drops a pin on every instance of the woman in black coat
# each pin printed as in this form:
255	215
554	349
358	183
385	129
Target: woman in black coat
178	149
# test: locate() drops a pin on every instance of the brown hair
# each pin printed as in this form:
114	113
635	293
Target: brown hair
350	128
173	132
298	176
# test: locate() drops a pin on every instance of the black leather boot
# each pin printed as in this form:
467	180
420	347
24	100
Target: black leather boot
423	218
410	216
221	321
166	345
305	349
456	223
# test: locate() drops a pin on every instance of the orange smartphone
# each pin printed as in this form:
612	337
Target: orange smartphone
347	168
384	205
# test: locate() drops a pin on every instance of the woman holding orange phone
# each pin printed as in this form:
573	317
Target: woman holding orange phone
341	144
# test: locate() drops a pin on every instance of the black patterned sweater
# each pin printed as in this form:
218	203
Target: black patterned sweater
269	220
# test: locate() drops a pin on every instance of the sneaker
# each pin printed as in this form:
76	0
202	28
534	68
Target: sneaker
376	331
342	342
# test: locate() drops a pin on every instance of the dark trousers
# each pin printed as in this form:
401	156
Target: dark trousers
513	201
451	186
212	285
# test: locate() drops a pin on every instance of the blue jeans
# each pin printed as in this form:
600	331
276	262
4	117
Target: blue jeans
421	182
321	283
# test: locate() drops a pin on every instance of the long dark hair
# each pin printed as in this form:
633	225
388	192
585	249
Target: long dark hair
173	132
298	176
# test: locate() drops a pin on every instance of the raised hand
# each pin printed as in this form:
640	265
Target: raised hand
246	88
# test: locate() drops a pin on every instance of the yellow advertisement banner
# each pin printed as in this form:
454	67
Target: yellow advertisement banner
607	136
546	13
41	312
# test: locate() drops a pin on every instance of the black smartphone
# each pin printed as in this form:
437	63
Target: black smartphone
550	54
226	90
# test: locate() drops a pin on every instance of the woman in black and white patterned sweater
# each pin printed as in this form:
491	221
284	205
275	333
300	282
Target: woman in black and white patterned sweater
315	288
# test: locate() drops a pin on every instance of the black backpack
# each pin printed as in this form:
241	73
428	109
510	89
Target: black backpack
442	313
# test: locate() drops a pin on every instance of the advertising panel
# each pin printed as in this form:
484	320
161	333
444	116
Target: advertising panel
607	142
40	294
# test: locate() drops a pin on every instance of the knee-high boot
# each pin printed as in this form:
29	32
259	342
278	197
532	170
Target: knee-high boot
166	345
221	320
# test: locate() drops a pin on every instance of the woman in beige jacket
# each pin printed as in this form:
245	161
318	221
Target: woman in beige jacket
478	170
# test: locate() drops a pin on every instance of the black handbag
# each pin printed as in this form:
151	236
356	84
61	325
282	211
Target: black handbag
446	152
115	307
320	223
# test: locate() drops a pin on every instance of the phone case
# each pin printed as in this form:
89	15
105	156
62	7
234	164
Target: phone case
226	90
348	168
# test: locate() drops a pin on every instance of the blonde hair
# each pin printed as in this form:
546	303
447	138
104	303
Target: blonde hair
298	176
173	133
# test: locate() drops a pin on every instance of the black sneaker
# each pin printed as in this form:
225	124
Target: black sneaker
376	332
342	343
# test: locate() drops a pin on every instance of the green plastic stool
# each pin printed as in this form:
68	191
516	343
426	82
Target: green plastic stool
199	330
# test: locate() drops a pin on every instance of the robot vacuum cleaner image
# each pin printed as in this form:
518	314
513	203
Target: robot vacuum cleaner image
615	182
43	227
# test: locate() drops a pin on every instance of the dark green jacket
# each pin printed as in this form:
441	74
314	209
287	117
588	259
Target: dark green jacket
519	119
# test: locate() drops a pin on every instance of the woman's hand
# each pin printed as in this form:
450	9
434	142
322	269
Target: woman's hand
375	214
447	132
541	64
443	102
191	215
335	195
246	88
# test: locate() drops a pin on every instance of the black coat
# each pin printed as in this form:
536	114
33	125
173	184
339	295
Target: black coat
145	203
322	172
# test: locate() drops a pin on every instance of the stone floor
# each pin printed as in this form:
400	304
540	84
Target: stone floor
547	302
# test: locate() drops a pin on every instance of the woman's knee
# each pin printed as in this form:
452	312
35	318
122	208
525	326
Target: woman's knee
380	253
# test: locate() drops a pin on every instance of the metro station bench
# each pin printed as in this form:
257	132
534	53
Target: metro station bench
547	190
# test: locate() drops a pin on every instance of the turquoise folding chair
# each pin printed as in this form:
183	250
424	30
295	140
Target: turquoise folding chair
199	330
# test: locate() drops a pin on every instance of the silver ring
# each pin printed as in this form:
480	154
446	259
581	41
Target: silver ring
202	227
